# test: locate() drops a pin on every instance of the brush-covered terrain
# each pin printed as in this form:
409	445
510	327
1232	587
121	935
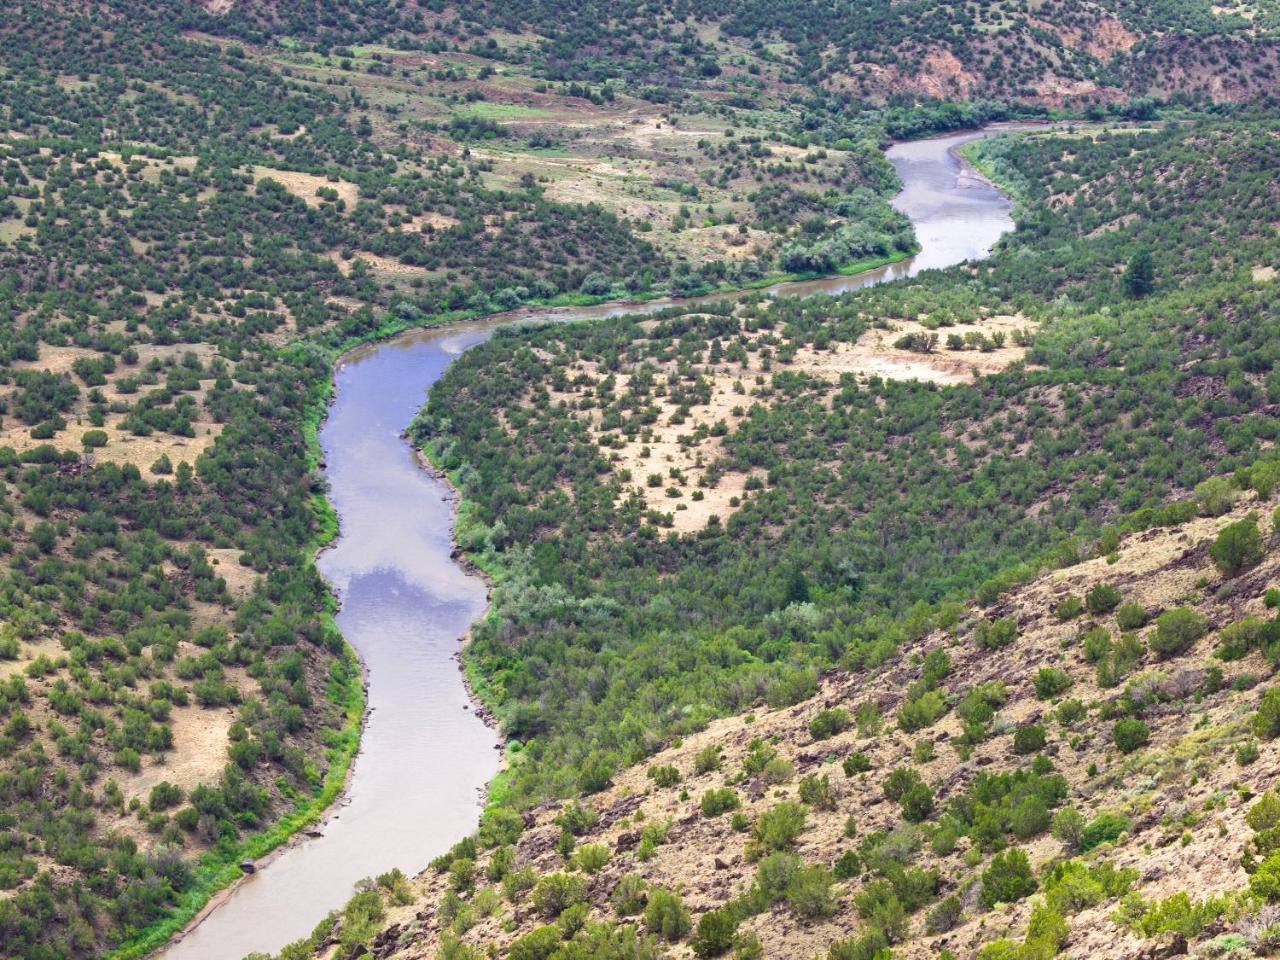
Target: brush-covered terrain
937	617
689	517
1083	765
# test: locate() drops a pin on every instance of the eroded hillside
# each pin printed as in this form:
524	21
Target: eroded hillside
1080	764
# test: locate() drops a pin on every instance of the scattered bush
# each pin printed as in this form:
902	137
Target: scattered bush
1008	879
1102	598
828	723
1176	630
1130	734
1238	546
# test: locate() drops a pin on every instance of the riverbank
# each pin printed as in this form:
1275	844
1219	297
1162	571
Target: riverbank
481	696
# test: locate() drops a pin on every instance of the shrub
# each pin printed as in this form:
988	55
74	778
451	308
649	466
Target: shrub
1051	682
1104	828
1238	545
666	915
1265	882
778	827
591	857
664	776
856	763
556	892
707	759
815	791
536	944
1008	878
1102	598
1028	738
946	915
1068	608
899	781
1176	630
827	723
994	634
1071	886
1068	827
809	892
847	866
629	895
872	945
1071	711
1265	813
714	935
1029	818
1215	496
1266	722
879	906
1130	734
718	801
923	711
917	803
1131	616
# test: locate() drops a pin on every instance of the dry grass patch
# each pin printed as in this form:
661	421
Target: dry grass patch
305	185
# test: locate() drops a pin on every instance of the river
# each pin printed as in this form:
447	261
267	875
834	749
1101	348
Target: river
425	757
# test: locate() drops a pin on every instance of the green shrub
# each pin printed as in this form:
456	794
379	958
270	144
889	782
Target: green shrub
591	857
1266	722
1130	734
1176	914
994	634
1131	616
1070	712
847	866
856	763
1028	738
666	915
1238	546
828	723
719	800
1215	496
629	895
537	944
878	904
872	945
917	803
809	892
1068	608
1050	682
1104	828
556	892
815	791
714	935
778	828
1071	885
1008	879
707	759
1068	827
899	781
923	711
946	915
1176	630
664	776
1102	598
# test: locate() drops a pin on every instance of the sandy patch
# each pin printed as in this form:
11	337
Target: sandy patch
874	354
199	752
305	185
1263	274
376	263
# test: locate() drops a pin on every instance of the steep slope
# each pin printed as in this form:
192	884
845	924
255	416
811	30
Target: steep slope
1123	757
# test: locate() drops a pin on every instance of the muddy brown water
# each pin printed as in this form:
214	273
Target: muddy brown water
418	783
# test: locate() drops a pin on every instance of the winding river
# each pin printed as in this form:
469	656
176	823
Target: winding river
425	758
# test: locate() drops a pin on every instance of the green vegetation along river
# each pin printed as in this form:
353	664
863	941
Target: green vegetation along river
419	781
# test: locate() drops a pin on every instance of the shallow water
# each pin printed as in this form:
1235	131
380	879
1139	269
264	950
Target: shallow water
425	758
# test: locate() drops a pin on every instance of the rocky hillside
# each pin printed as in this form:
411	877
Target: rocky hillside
1080	764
